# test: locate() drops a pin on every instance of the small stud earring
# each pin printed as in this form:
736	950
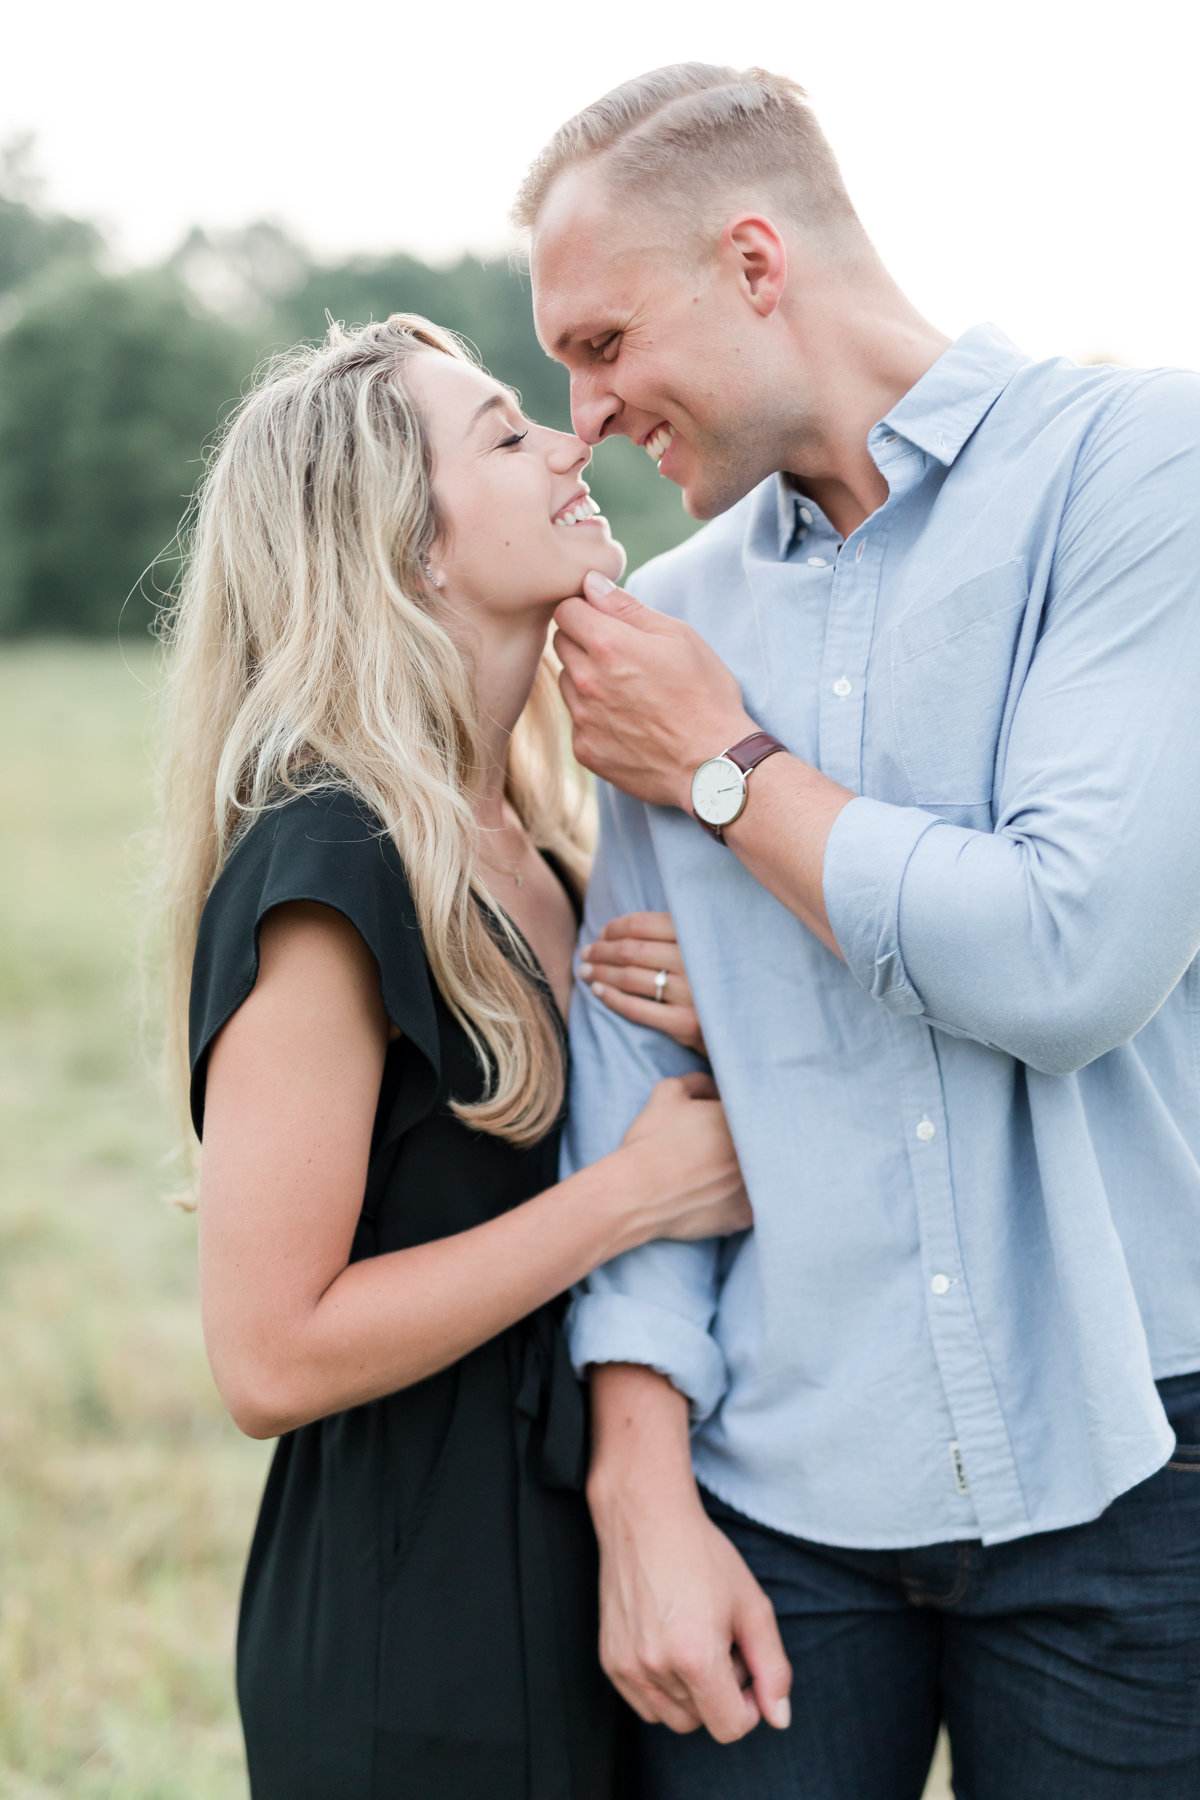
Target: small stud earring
431	577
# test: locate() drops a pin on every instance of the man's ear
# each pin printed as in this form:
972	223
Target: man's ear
759	255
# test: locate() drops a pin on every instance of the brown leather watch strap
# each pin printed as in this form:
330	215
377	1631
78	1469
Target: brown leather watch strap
744	755
753	749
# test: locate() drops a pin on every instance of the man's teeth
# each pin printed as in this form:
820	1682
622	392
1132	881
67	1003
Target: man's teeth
579	514
656	444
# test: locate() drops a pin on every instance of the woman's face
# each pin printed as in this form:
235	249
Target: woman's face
507	491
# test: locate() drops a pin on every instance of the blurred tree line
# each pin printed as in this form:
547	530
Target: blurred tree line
112	383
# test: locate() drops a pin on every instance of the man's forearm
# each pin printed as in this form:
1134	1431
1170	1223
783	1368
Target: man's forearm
650	701
641	1448
781	837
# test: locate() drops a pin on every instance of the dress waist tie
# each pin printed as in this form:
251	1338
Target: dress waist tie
550	1421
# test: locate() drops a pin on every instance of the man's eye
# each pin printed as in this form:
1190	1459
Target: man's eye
606	344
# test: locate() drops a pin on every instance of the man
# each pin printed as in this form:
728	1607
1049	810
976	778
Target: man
942	946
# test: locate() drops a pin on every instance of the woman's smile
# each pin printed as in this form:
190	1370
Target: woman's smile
580	509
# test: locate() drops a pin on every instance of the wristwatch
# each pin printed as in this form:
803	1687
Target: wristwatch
719	785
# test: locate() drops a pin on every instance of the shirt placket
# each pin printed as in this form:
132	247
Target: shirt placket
853	599
977	1460
977	1464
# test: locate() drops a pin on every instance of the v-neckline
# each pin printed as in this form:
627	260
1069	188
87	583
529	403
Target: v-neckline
543	980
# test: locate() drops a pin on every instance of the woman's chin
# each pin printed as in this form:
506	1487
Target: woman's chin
606	555
599	551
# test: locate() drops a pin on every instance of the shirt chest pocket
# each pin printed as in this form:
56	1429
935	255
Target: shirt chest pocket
949	669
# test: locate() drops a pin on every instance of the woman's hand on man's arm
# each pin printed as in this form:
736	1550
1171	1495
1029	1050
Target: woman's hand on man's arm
621	969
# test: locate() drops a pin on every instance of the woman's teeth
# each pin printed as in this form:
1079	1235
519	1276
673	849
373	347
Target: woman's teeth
579	514
657	443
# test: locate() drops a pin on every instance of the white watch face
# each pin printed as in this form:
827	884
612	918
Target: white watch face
718	791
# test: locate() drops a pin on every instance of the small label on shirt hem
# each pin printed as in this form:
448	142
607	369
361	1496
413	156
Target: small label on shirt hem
961	1484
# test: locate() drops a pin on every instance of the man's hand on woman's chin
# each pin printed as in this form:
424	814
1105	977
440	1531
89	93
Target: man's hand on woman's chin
687	1635
649	700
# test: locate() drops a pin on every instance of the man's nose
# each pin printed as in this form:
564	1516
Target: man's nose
593	409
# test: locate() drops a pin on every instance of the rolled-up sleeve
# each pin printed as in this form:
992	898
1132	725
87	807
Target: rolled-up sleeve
654	1305
1057	935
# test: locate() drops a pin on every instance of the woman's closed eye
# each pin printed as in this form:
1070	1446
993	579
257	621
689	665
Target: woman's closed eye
516	437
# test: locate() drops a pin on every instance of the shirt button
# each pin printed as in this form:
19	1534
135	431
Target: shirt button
816	562
859	551
805	515
926	1130
940	1284
842	687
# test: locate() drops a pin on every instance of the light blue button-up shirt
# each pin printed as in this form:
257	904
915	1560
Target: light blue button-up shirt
973	1148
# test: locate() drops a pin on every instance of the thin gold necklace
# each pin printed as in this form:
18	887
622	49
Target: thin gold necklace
513	873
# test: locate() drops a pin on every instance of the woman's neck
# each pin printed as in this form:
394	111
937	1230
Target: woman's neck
506	658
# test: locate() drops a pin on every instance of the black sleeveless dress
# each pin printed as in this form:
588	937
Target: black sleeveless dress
418	1620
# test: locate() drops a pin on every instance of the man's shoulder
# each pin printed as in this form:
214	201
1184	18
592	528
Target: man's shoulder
714	553
1163	400
1105	398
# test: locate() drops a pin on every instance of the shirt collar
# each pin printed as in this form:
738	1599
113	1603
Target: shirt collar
953	397
937	415
787	503
798	518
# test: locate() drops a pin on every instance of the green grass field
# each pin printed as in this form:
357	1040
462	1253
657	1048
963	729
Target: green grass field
126	1496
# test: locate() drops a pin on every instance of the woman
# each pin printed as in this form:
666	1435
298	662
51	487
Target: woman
375	866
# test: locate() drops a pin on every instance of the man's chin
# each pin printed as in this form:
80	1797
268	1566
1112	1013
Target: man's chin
710	488
709	503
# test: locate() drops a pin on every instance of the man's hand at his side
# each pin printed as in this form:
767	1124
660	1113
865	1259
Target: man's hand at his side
649	701
686	1634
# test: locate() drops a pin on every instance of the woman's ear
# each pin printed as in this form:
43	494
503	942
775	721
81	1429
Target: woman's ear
760	259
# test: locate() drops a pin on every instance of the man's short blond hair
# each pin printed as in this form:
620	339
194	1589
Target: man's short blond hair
690	136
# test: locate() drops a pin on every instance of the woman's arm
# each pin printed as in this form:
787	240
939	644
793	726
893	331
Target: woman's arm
294	1332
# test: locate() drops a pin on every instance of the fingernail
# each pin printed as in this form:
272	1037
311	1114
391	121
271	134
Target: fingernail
586	970
596	583
599	989
783	1715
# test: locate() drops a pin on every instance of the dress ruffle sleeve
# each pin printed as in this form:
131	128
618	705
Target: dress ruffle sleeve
322	845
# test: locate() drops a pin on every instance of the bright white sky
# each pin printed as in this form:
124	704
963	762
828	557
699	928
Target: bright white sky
1030	161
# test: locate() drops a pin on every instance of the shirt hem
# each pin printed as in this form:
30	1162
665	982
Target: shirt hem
1189	1366
968	1533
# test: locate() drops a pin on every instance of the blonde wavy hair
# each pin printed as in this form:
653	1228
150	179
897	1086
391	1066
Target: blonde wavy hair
304	647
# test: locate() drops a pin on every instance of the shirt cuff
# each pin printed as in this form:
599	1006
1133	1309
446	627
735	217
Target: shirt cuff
868	851
606	1328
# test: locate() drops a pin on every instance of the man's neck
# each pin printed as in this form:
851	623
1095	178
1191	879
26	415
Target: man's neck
878	347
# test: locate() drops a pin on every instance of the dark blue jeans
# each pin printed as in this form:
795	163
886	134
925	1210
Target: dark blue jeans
1065	1666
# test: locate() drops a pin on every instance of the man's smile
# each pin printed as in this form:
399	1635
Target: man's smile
659	441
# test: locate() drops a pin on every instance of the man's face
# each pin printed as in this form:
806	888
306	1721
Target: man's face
661	347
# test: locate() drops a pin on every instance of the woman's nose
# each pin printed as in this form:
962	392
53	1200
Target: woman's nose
569	452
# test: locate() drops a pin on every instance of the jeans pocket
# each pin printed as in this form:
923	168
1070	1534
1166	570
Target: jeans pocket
1180	1396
